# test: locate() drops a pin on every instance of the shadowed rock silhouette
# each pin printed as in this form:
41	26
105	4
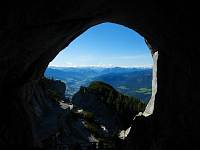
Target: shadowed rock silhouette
33	33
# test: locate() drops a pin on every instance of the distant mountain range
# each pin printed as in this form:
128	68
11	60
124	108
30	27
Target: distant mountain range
129	81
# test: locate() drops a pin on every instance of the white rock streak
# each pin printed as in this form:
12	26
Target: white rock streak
64	105
150	106
124	133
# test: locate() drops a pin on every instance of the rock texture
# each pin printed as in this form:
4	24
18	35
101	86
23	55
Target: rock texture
90	101
48	117
32	34
110	108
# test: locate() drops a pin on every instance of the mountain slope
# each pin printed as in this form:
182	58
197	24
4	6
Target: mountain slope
137	83
110	108
129	81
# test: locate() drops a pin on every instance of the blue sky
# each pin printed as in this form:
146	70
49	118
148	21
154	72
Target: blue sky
105	45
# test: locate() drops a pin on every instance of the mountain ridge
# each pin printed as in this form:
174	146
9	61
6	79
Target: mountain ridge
111	108
129	81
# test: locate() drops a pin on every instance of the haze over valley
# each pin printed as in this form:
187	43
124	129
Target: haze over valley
129	81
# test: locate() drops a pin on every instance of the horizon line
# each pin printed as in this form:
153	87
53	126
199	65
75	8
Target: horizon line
102	66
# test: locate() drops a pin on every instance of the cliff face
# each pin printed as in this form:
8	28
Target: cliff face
46	96
90	102
54	88
45	109
32	34
111	108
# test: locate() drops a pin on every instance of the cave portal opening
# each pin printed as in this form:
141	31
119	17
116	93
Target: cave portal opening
112	65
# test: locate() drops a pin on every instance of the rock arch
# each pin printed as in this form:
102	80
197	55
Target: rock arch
32	34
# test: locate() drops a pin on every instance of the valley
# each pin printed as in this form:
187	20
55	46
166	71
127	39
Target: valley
129	81
99	104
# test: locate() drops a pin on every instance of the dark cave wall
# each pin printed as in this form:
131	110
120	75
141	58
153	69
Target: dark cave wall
32	34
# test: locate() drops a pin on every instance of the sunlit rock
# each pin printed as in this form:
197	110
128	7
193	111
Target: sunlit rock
150	106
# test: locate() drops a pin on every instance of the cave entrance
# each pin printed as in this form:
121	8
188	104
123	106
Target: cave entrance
111	64
112	47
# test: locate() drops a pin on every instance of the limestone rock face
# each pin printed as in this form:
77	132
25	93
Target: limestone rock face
90	102
32	34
